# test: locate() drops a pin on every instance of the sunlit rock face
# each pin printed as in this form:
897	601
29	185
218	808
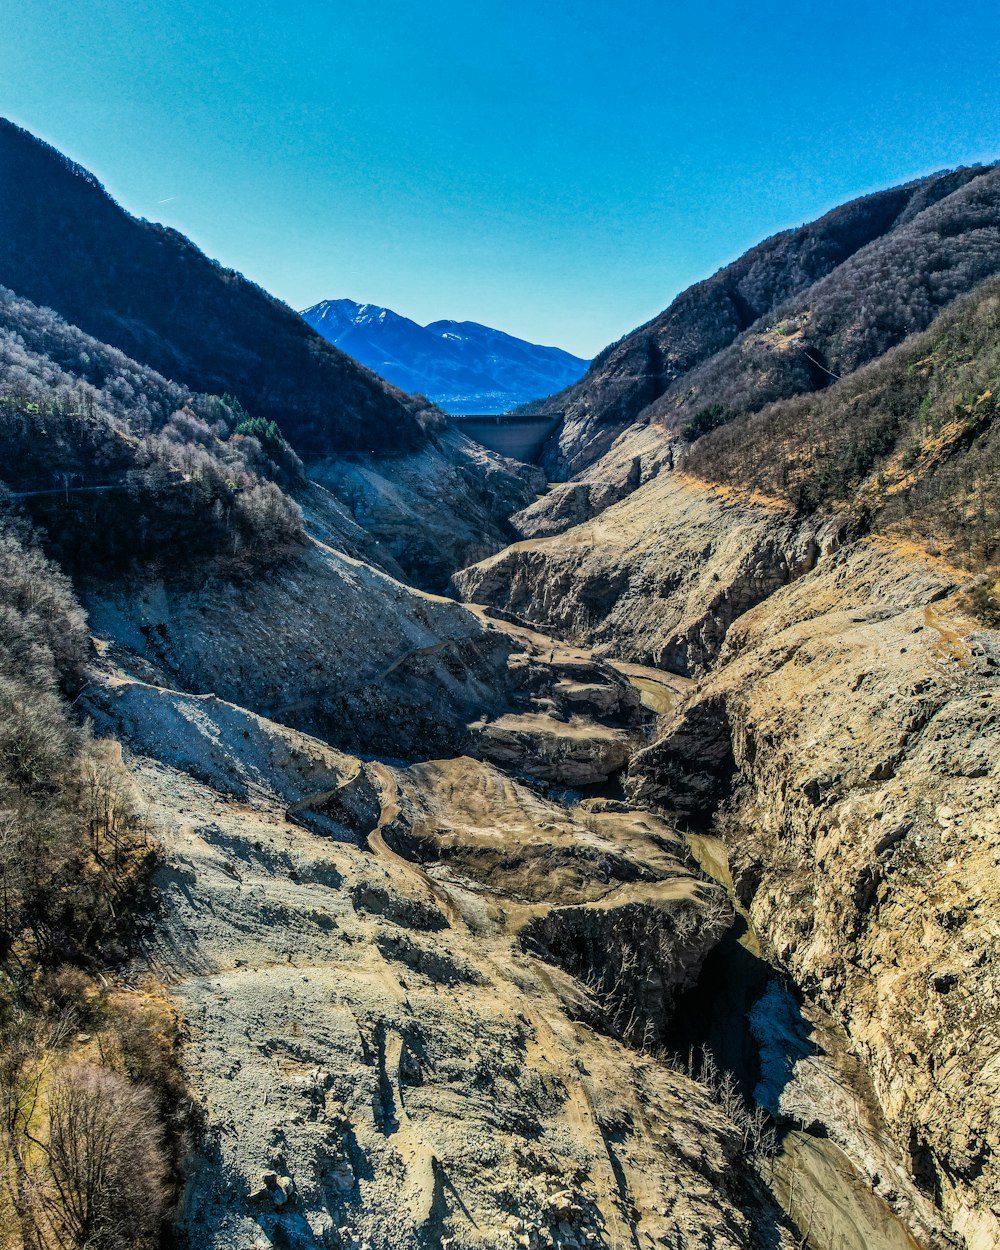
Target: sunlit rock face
643	892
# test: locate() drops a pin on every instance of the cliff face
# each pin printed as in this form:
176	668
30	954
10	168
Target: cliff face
861	705
656	579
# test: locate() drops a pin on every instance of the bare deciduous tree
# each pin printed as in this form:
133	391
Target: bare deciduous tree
105	1162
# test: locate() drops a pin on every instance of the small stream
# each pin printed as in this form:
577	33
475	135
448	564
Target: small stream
828	1197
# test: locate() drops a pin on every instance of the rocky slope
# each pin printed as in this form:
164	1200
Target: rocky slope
380	1032
828	581
432	510
861	708
457	900
842	737
657	578
418	997
297	645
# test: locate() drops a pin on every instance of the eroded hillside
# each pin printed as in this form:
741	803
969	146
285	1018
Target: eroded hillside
386	1000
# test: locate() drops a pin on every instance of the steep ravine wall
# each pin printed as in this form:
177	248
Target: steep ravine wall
859	803
658	578
840	731
327	644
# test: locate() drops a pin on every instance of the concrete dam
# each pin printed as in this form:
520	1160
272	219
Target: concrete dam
520	438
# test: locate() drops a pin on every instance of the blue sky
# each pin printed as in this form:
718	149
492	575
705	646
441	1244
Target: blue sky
559	170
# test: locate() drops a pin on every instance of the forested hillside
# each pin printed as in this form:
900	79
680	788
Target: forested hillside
886	291
144	292
122	466
908	444
93	1113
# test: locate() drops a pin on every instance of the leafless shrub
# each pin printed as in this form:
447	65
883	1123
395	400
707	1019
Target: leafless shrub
755	1126
82	1159
26	1052
105	1165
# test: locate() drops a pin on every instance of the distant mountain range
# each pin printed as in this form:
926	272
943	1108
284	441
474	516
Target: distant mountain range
460	365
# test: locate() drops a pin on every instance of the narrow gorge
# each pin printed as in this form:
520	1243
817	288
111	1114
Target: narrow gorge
501	996
597	852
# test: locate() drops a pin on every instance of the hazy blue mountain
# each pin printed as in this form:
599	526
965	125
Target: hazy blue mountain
462	366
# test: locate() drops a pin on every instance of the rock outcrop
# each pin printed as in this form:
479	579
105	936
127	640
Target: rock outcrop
433	510
327	644
657	578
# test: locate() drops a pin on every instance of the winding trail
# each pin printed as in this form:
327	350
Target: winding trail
377	844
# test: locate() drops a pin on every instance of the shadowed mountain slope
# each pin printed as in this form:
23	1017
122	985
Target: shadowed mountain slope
146	289
416	496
